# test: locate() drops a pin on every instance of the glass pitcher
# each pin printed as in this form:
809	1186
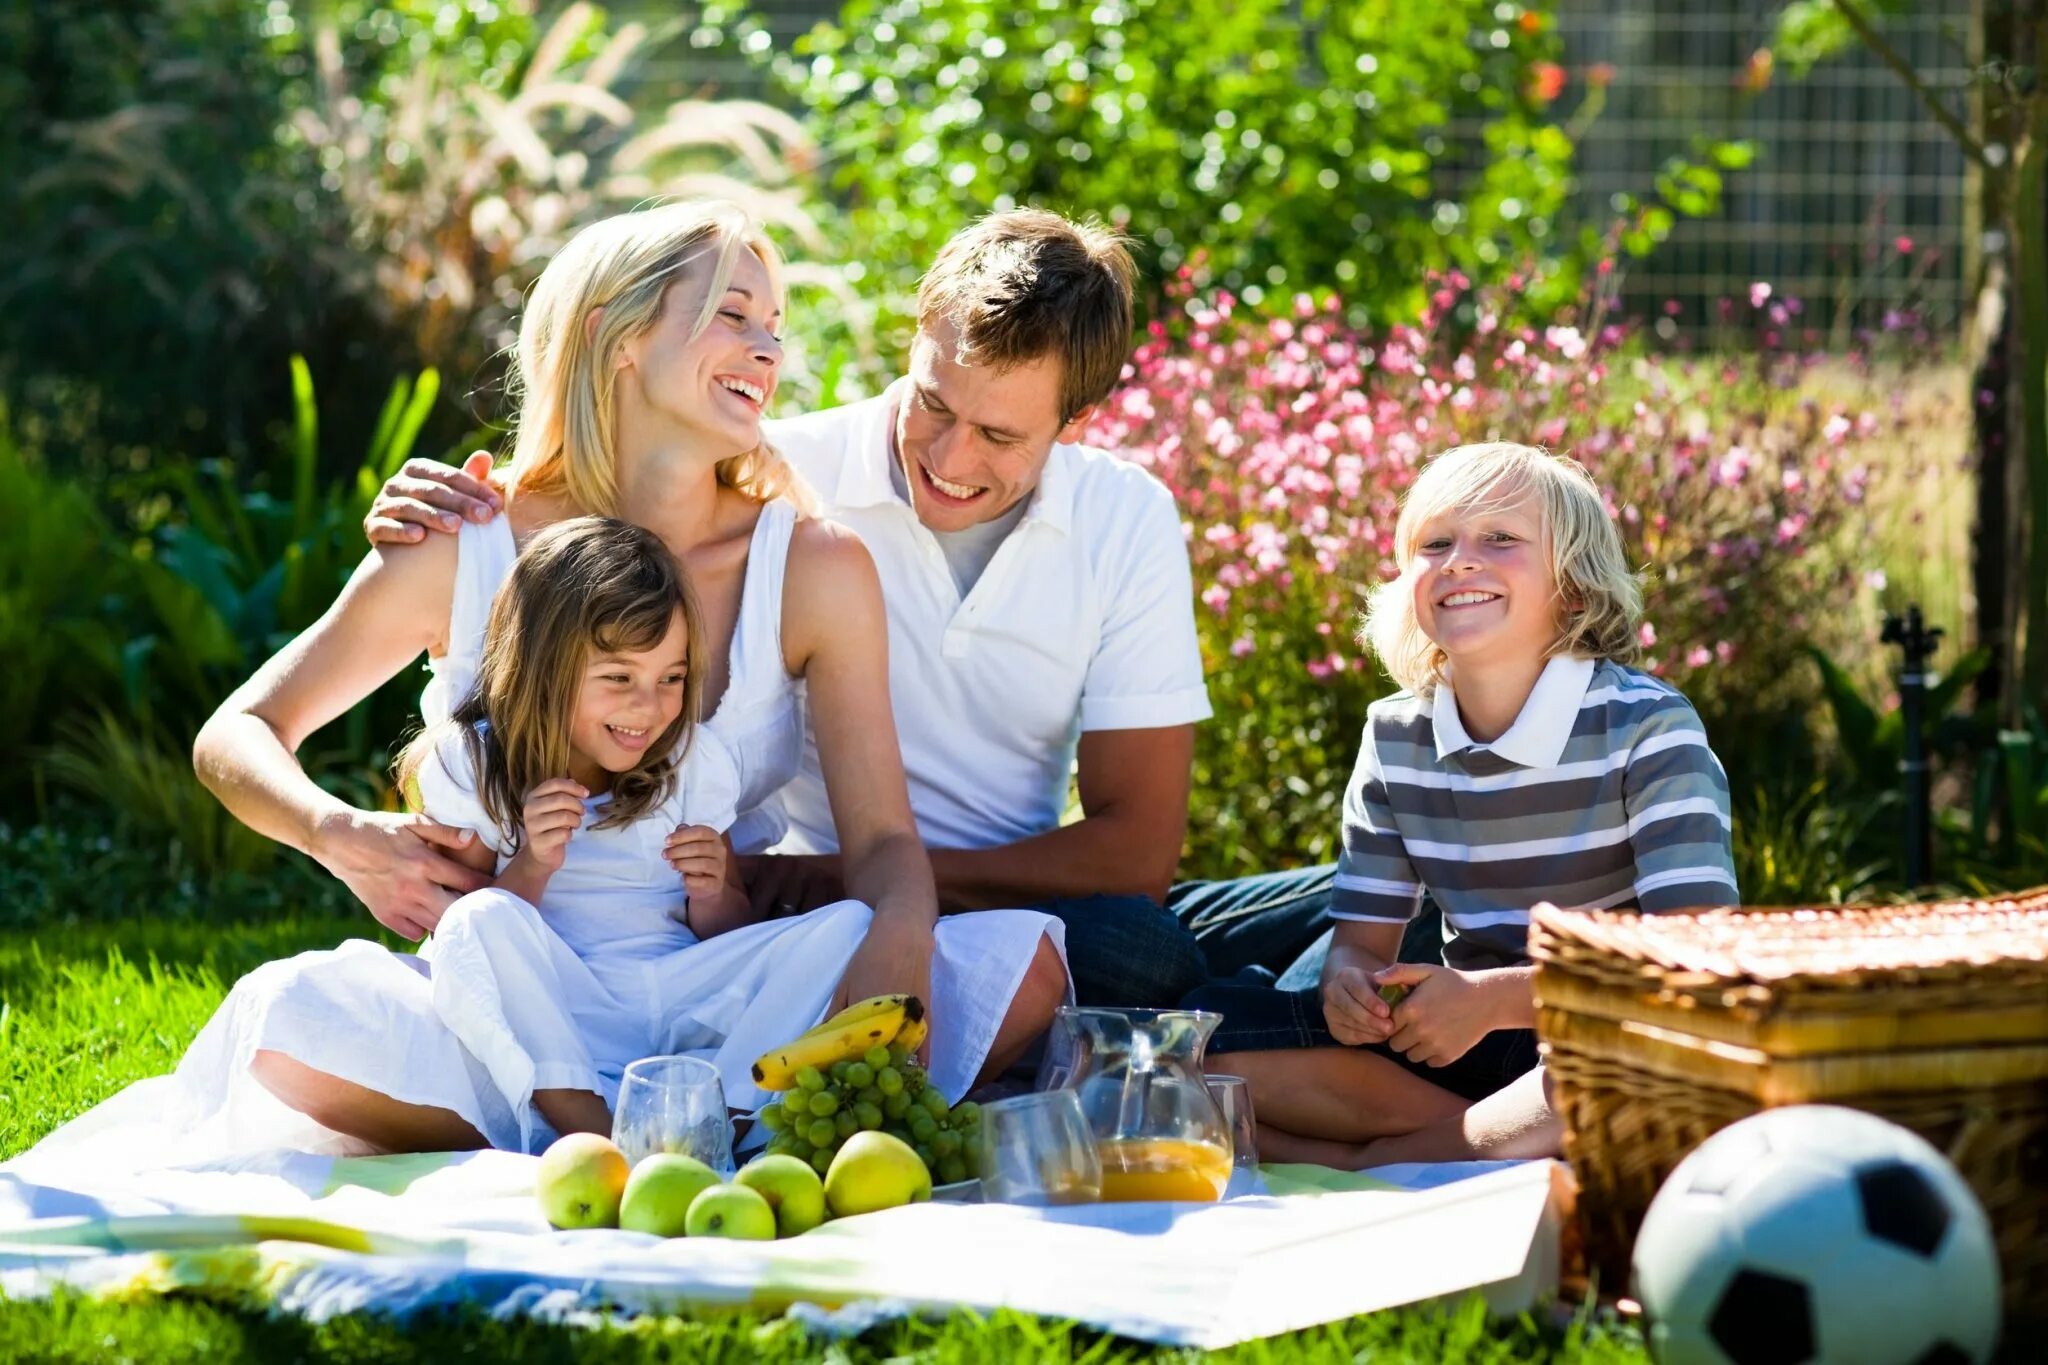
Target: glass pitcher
1139	1077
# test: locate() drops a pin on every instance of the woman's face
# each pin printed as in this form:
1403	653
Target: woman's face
713	386
626	701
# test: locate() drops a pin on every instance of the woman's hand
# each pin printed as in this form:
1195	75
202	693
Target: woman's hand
698	854
553	812
426	495
1444	1013
783	884
399	866
896	956
1353	1009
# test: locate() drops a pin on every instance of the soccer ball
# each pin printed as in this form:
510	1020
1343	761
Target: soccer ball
1813	1233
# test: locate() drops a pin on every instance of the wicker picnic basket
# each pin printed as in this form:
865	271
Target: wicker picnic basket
1659	1030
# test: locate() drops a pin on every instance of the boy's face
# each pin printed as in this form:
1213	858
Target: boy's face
626	702
974	439
1483	586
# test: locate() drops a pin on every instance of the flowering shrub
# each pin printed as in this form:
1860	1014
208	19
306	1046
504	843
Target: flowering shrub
1288	443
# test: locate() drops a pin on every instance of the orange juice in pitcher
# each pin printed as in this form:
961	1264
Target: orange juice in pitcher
1141	1169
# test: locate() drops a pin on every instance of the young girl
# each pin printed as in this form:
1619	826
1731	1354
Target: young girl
1524	762
600	808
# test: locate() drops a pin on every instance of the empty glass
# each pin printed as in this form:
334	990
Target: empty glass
1233	1095
1038	1149
673	1104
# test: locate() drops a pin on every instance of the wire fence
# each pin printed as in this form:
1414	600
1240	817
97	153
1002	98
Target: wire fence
1857	203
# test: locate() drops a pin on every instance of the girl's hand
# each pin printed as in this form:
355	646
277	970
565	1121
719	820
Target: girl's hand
1444	1013
553	812
1353	1009
698	853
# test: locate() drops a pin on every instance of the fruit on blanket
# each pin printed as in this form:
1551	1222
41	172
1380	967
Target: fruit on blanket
845	1037
791	1188
901	1102
581	1180
732	1211
1393	994
875	1171
659	1192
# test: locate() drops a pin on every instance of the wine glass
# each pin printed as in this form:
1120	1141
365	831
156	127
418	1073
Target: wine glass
1038	1149
673	1104
1233	1095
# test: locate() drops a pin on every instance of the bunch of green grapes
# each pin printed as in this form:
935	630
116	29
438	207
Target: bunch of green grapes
886	1091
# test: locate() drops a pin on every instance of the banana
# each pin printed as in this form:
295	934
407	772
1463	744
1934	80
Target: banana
859	1010
776	1070
913	1031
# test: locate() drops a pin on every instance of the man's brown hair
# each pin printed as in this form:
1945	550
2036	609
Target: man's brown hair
1029	283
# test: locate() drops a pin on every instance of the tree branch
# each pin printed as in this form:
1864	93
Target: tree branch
1903	69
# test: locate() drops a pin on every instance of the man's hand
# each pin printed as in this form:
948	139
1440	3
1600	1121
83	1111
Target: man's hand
1353	1009
697	853
1444	1013
553	812
895	956
426	495
397	866
779	886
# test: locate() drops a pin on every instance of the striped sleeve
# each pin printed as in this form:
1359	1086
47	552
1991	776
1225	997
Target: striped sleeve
1679	824
1374	881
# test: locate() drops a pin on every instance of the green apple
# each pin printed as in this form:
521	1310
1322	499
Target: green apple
659	1191
792	1189
580	1182
731	1211
875	1171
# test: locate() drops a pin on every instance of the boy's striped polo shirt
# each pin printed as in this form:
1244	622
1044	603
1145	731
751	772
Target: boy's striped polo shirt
1603	793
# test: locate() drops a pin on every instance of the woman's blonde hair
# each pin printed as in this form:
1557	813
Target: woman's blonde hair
1599	600
564	369
585	586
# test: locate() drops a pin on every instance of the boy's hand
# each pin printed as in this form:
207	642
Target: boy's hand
1443	1014
553	812
698	853
1353	1009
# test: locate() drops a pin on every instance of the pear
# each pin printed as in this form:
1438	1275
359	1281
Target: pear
792	1189
875	1171
731	1211
659	1191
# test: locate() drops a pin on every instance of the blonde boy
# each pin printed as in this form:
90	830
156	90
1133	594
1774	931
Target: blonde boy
1523	762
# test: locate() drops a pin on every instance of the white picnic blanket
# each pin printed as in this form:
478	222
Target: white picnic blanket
318	1235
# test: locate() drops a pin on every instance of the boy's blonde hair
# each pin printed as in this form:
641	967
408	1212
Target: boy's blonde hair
1599	601
564	369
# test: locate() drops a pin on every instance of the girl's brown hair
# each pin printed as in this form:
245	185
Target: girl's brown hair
583	586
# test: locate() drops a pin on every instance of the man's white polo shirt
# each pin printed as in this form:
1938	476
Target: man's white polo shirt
1084	620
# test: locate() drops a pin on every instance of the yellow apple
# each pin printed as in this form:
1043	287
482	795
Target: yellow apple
580	1181
792	1189
875	1171
731	1211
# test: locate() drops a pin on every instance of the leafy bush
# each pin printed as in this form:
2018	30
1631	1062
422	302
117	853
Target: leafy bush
1288	443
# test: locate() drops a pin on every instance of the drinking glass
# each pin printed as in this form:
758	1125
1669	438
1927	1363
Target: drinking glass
1038	1149
1233	1095
673	1104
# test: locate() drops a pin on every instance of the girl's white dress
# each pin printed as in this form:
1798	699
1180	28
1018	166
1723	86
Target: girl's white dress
506	998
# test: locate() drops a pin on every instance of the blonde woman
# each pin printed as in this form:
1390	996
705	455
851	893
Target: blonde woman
649	349
1524	761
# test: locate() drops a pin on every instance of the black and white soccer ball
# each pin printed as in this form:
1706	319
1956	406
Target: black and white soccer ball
1815	1233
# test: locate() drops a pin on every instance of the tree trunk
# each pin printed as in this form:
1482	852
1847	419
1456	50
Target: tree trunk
2029	245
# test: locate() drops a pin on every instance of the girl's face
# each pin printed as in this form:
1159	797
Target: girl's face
625	702
716	384
1484	590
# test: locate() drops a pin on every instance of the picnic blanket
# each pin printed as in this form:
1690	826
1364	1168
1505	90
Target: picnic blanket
317	1235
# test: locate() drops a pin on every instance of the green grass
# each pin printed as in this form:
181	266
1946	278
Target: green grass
125	962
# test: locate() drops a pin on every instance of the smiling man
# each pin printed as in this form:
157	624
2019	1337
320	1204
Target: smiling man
1040	608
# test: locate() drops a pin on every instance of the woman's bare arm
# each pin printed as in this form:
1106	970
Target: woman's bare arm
394	607
835	634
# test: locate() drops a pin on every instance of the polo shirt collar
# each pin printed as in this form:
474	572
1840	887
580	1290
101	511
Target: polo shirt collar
1541	730
864	477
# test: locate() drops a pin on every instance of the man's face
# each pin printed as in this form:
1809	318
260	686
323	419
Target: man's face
974	439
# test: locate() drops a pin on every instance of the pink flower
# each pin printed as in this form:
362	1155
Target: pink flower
1699	656
1903	245
1836	430
1646	635
1242	646
1759	294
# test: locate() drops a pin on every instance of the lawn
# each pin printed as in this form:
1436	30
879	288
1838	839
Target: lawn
110	962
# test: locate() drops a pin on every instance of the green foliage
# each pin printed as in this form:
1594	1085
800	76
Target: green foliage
1813	847
1284	146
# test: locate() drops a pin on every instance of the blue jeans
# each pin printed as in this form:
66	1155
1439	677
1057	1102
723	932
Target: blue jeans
1127	950
1277	925
1262	922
